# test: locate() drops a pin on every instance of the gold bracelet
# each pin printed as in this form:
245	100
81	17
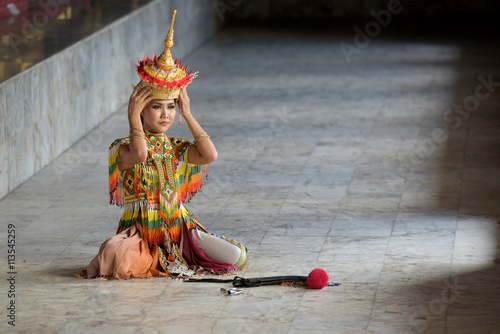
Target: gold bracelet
198	136
201	140
137	131
137	135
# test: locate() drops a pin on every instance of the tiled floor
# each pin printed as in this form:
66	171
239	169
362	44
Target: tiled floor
321	164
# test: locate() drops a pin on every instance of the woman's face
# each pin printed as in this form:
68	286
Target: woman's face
158	115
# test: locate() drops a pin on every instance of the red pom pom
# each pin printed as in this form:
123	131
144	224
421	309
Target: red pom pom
317	279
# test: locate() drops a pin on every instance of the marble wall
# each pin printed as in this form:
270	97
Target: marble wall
49	107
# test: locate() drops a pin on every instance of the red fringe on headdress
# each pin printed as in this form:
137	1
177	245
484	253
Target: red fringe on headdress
186	78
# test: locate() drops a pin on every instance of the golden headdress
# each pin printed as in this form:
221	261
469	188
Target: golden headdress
162	73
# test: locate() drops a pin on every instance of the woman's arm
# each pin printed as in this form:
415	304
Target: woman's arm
203	151
137	150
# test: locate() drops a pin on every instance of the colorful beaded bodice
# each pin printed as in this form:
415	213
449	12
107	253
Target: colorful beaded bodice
156	188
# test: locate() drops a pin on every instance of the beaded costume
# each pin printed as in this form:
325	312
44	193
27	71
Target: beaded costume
156	189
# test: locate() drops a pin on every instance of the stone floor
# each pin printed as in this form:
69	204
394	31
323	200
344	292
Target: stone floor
359	168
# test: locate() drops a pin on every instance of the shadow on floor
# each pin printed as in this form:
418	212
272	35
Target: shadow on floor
469	299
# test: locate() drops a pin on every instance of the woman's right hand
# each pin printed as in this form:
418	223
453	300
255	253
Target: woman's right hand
136	151
139	99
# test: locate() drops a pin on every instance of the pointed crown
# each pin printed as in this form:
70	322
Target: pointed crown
165	75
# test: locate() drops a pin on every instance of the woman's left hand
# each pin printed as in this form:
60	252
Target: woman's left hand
184	106
203	152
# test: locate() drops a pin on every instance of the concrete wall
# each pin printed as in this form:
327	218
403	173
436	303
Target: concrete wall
47	108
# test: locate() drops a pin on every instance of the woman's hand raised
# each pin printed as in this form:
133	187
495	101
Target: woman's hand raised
184	105
138	100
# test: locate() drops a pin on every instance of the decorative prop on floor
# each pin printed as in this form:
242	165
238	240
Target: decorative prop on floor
317	279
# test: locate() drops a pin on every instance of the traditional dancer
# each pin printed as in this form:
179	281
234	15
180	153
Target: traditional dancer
151	176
